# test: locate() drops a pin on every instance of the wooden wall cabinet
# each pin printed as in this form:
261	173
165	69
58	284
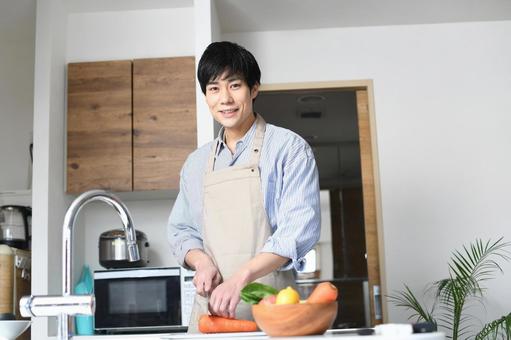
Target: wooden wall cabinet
130	124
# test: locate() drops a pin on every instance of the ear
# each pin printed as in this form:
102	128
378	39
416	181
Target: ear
254	91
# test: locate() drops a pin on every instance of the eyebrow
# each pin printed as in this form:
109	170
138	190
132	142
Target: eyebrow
229	79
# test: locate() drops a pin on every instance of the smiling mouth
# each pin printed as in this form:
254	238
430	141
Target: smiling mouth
229	111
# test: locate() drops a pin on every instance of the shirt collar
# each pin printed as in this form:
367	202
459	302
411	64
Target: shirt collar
240	144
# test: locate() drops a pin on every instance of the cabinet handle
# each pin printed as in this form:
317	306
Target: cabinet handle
377	302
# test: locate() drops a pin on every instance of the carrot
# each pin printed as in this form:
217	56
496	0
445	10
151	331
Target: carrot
218	324
324	292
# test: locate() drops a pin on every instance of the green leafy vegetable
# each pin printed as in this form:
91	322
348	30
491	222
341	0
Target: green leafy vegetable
255	292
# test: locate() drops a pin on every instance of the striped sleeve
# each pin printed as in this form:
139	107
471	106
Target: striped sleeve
298	214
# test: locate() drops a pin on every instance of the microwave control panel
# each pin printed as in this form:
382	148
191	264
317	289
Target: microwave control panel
187	294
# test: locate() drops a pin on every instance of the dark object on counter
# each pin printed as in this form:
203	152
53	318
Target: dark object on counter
424	327
113	252
365	331
7	316
358	331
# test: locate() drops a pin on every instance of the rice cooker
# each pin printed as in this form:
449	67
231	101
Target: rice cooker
113	252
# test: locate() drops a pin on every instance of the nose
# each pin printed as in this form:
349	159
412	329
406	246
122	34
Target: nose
225	96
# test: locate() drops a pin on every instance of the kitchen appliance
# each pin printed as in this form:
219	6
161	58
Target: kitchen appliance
143	300
14	282
113	252
15	226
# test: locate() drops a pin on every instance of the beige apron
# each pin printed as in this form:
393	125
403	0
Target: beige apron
235	223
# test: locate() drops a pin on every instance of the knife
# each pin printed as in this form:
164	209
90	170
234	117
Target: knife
208	295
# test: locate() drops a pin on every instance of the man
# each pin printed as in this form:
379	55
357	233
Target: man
248	207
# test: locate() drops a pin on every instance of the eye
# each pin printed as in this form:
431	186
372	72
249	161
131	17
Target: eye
212	89
235	85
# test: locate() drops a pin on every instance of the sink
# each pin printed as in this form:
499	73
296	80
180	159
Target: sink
11	329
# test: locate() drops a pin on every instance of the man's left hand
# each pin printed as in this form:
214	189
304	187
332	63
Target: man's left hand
226	296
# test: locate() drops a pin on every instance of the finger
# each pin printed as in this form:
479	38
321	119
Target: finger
199	285
215	308
199	290
232	307
218	279
207	287
224	308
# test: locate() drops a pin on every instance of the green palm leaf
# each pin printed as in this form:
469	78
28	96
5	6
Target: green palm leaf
500	327
408	300
468	269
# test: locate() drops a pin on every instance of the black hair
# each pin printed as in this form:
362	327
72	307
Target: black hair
223	56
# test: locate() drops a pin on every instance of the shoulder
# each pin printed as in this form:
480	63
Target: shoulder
287	141
198	158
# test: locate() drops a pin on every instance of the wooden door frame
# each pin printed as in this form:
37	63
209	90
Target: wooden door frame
370	176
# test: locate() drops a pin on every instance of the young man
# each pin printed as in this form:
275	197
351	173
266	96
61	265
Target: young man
248	207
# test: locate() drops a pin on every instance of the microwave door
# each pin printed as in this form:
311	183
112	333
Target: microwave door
137	303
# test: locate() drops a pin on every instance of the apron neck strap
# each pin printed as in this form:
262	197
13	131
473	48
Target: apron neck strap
257	144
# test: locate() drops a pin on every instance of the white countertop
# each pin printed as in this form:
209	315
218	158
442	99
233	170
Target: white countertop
260	336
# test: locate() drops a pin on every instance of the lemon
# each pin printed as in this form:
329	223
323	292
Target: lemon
287	296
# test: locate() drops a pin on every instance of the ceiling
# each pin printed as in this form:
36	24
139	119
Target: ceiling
272	15
123	5
17	17
327	119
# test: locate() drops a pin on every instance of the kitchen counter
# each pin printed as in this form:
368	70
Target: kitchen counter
344	334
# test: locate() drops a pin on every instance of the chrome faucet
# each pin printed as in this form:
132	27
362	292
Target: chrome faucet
67	304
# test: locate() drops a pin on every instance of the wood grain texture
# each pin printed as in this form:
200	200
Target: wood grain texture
165	125
22	288
368	190
295	319
99	126
6	283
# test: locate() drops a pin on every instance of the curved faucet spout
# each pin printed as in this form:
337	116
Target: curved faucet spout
69	222
67	239
67	304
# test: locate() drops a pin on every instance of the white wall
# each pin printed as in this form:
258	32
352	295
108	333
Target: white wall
442	120
17	98
119	35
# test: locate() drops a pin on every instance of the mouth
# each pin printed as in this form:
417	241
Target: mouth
228	112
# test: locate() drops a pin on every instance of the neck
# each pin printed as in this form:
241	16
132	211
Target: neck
234	135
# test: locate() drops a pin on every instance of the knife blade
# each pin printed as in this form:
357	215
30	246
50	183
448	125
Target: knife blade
208	295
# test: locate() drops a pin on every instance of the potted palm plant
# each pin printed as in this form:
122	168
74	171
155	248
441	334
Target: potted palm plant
468	269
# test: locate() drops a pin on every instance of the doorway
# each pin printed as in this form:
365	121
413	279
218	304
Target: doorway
337	120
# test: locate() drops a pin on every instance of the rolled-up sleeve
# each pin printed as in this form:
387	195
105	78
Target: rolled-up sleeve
298	211
183	234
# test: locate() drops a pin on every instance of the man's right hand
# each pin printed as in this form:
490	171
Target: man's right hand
207	276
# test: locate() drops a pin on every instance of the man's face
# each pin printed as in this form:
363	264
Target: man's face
230	102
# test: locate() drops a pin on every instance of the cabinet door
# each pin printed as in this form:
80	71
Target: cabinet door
99	126
164	120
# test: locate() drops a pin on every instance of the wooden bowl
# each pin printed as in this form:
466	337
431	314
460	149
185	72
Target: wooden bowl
295	319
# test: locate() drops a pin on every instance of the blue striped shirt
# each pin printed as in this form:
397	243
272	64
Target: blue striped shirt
290	185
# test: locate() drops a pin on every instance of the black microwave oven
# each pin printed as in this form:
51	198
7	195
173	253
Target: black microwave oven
143	300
